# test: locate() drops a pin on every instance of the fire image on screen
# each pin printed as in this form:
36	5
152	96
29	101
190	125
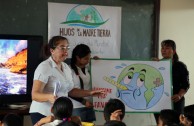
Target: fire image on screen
13	67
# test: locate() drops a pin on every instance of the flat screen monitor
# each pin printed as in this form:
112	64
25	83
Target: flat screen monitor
19	57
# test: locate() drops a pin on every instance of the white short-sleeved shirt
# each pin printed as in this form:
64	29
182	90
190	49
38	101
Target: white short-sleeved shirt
86	81
48	73
54	123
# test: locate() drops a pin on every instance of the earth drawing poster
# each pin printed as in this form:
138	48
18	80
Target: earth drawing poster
143	86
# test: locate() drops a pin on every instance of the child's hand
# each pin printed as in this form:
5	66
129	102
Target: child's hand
44	120
116	115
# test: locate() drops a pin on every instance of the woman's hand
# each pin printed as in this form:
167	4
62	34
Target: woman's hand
52	98
176	98
75	92
155	59
97	92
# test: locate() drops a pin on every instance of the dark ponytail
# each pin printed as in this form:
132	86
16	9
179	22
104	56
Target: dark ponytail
175	57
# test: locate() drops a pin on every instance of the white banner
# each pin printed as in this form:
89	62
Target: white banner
99	27
143	86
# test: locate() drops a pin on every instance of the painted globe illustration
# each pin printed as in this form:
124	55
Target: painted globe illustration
143	84
85	16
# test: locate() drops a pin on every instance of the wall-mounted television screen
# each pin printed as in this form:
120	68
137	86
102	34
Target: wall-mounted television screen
19	57
13	66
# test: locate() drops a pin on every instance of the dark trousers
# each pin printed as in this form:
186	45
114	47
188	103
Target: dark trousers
35	117
179	106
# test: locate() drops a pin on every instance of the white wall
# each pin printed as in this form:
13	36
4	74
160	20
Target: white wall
177	23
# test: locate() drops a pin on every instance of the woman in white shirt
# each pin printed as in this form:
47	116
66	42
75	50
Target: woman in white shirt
52	79
79	61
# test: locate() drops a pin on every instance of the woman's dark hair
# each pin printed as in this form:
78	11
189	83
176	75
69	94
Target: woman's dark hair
54	41
12	119
114	123
169	116
46	51
113	105
62	108
171	43
81	51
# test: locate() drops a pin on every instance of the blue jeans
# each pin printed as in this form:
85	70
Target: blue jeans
86	114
